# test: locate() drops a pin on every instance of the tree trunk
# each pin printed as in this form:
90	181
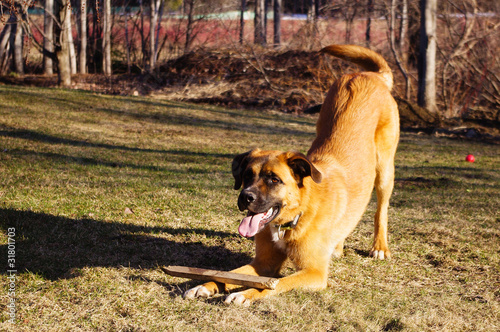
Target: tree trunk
398	54
259	24
83	36
95	39
17	35
127	40
242	19
153	15
266	9
71	44
159	6
311	10
369	22
143	38
277	22
106	42
64	67
403	45
427	56
48	39
5	44
189	28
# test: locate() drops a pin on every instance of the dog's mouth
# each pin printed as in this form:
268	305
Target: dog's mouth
255	222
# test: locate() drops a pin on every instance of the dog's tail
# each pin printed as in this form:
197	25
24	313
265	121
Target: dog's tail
367	59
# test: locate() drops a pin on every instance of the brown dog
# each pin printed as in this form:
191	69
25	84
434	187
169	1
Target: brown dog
303	207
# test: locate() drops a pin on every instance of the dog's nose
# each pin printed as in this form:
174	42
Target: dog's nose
249	197
246	198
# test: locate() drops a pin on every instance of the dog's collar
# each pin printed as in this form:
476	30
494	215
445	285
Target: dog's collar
289	225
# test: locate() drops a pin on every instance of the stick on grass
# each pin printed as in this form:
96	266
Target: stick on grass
221	276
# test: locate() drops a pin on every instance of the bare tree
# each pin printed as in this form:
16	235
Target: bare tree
141	32
427	56
83	37
48	39
94	45
349	10
403	31
309	30
259	24
5	43
106	47
266	10
399	50
17	36
154	9
242	19
153	19
12	36
71	44
369	10
127	40
190	22
57	33
277	22
63	61
311	10
160	7
459	47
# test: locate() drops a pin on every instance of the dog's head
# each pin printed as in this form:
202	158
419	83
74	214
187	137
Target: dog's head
272	182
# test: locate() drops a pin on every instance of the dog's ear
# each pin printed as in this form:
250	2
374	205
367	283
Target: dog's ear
240	163
302	166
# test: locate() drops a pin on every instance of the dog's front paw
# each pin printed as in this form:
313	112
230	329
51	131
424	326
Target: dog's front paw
238	299
247	296
380	254
198	291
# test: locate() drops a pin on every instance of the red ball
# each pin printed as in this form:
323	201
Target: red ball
470	158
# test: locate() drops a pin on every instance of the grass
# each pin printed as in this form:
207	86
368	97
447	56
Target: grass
102	190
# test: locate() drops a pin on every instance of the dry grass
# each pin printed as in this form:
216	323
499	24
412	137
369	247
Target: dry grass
73	162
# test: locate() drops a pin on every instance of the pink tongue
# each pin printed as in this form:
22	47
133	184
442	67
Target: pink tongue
250	225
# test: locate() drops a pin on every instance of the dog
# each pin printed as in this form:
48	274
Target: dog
302	207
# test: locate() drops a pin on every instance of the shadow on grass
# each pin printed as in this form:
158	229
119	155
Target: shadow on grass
57	157
94	104
44	138
54	247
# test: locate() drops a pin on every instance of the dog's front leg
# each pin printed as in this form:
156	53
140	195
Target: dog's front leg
211	288
267	262
308	278
206	290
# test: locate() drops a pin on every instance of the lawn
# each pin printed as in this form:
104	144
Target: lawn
100	191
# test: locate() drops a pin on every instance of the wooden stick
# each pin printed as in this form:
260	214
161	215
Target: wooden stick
221	276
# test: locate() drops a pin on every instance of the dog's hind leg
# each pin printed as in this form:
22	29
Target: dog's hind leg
384	184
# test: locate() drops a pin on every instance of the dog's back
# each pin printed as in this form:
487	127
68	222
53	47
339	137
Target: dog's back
355	106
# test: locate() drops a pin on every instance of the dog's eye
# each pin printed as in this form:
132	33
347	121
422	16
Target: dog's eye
274	180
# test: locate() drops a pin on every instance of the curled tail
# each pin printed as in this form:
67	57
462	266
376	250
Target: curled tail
367	59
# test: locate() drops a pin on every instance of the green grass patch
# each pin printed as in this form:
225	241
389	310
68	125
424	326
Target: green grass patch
102	190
